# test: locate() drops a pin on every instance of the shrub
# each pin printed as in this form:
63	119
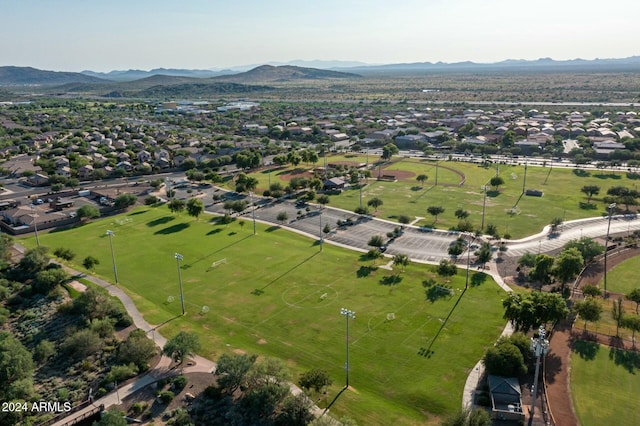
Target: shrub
150	200
81	344
166	396
64	253
179	383
43	351
120	373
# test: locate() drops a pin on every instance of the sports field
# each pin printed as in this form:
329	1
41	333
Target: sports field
276	294
460	186
623	277
605	385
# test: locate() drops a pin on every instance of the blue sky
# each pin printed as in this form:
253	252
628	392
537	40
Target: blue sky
74	35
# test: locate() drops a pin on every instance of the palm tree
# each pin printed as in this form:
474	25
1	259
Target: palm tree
422	178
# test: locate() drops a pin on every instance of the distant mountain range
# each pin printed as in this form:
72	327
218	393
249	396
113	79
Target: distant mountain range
21	76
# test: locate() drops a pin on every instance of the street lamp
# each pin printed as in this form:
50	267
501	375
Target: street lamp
466	284
348	314
179	257
113	257
606	246
35	224
484	203
321	237
539	347
253	213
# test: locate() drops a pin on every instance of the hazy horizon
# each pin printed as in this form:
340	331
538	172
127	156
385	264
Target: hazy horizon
75	35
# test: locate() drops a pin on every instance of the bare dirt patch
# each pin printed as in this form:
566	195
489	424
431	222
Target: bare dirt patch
78	286
303	174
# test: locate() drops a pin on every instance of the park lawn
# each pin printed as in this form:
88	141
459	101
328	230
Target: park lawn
274	297
605	385
607	325
623	277
562	196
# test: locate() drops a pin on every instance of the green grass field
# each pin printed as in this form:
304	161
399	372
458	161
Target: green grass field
623	277
562	197
276	297
605	385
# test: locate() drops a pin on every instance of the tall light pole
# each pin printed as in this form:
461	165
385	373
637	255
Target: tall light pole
524	181
253	213
321	237
35	224
606	246
113	256
539	347
484	203
466	284
348	314
179	257
437	160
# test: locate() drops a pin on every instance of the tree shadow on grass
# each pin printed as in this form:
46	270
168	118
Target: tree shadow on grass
587	206
160	221
478	278
585	349
272	228
437	292
172	229
138	213
581	173
259	291
214	231
493	193
391	280
628	359
365	271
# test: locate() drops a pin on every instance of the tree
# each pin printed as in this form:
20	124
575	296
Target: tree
81	344
422	178
43	351
542	270
16	362
295	410
34	260
534	309
505	360
496	181
88	212
90	262
232	369
375	203
315	379
456	248
617	313
589	310
137	349
634	296
326	229
282	217
401	260
633	324
48	279
176	206
64	253
376	241
111	417
125	200
567	265
591	291
461	214
435	211
182	346
374	254
484	254
195	207
468	417
446	268
389	150
590	191
587	247
323	200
